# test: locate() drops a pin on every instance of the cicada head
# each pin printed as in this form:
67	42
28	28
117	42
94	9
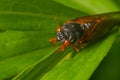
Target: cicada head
70	32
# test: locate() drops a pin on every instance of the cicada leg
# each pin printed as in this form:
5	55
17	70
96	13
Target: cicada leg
76	47
64	45
82	43
52	41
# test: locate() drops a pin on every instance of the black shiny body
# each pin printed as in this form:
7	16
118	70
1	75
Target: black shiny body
71	32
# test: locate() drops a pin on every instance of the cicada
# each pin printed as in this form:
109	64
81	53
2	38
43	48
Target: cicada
88	29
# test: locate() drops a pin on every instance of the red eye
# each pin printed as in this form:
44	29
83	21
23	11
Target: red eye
59	29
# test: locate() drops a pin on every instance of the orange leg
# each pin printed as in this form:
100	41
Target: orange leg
64	45
82	45
81	40
76	48
52	41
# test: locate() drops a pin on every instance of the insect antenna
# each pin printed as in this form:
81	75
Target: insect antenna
58	22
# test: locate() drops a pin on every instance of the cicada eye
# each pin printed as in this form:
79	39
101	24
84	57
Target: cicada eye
59	29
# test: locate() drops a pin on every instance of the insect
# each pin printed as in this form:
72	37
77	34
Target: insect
89	29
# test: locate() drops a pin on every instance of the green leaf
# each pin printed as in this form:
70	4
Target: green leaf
90	6
24	27
15	42
25	52
80	67
33	15
39	69
15	64
109	67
